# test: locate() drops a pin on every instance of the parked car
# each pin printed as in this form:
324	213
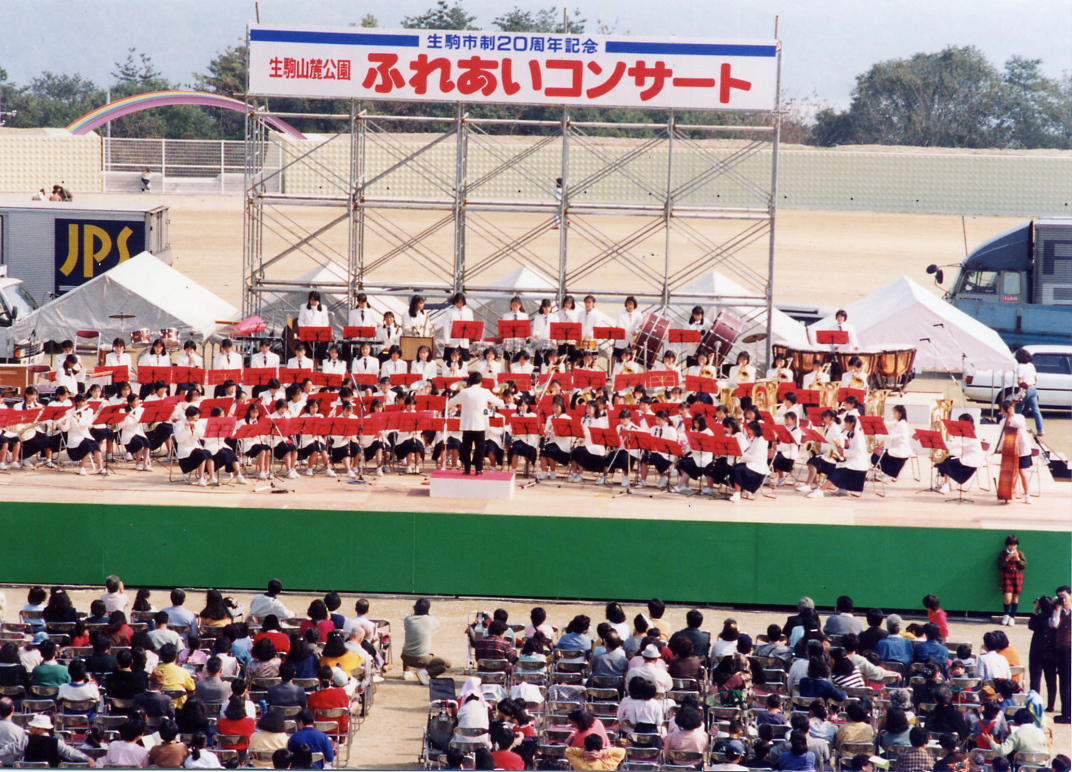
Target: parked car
1053	365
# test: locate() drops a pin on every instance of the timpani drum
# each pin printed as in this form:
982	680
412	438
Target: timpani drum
717	342
801	360
869	357
140	337
893	367
650	339
170	336
411	344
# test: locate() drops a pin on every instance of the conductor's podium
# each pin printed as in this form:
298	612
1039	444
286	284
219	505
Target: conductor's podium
450	484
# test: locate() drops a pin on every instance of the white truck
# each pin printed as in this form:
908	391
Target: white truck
49	248
1053	365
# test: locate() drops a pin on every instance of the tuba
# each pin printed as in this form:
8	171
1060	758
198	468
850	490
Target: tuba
828	394
876	402
708	371
729	400
942	411
765	395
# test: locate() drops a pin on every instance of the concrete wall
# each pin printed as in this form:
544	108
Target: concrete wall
1029	183
40	158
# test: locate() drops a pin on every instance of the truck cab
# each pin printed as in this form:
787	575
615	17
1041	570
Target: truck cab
15	303
1015	283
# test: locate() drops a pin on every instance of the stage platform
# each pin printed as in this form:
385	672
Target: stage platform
552	540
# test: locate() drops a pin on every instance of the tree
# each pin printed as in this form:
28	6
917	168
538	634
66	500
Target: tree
138	75
441	17
1032	106
545	21
227	77
56	100
368	21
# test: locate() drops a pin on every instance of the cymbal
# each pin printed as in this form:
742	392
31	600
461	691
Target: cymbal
121	316
755	337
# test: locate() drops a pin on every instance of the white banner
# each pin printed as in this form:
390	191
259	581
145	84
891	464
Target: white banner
513	68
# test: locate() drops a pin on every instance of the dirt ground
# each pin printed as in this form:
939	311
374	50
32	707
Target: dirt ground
391	737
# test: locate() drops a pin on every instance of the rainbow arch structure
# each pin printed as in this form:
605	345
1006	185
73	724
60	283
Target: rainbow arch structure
139	102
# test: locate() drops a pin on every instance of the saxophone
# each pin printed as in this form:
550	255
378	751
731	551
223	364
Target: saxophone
942	411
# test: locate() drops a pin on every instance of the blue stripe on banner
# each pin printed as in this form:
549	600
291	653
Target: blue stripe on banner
690	49
333	38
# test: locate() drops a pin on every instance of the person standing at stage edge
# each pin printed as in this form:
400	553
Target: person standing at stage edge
476	403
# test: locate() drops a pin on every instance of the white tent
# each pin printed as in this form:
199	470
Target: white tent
904	314
156	295
785	330
280	306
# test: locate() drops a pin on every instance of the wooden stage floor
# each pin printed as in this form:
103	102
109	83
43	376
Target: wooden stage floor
903	505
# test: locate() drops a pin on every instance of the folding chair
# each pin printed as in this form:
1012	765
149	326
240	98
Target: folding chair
684	760
1027	761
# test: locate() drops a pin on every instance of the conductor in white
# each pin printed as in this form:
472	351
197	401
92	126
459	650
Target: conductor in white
476	403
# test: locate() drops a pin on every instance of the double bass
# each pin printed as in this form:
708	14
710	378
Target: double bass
1010	463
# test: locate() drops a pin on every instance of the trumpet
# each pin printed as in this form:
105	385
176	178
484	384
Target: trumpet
630	368
858	382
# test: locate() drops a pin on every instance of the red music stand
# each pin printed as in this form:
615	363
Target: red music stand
623	381
766	417
565	331
150	374
606	437
405	379
695	383
783	435
831	337
770	434
288	375
217	377
963	429
678	335
701	443
584	379
808	396
54	412
315	334
844	391
119	373
454	424
670	408
661	379
328	380
565	379
815	415
464	330
663	445
523	381
435	403
567	427
249	431
808	434
220	427
872	425
364	379
787	387
515	328
727	446
259	376
158	411
188	374
608	333
702	408
354	332
744	390
109	414
223	403
524	424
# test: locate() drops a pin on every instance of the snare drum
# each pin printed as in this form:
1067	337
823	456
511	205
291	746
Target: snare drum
717	342
650	339
140	337
170	336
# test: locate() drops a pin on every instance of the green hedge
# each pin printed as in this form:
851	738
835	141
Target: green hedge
497	555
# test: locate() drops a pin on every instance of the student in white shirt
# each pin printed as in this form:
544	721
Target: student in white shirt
661	461
155	356
823	464
395	365
692	465
515	314
591	317
785	452
189	356
749	473
314	449
458	312
388	334
194	461
618	458
453	366
223	455
68	350
490	366
300	360
850	474
554	450
897	445
313	313
697	322
668	365
817	375
362	314
629	320
744	371
80	443
366	364
67	374
255	448
333	364
227	359
1027	380
541	326
423	364
118	357
841	319
780	372
282	448
521	364
415	320
132	435
265	358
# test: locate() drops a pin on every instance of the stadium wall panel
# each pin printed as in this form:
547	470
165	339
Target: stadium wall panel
33	159
508	556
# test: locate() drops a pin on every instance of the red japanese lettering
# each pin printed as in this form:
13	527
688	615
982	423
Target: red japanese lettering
510	86
694	82
659	73
275	68
729	82
384	75
536	74
477	76
576	75
316	69
344	69
609	83
423	67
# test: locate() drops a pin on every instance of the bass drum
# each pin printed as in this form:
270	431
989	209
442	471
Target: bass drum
717	342
893	368
650	339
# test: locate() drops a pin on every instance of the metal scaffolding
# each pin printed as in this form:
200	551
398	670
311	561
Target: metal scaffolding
386	254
